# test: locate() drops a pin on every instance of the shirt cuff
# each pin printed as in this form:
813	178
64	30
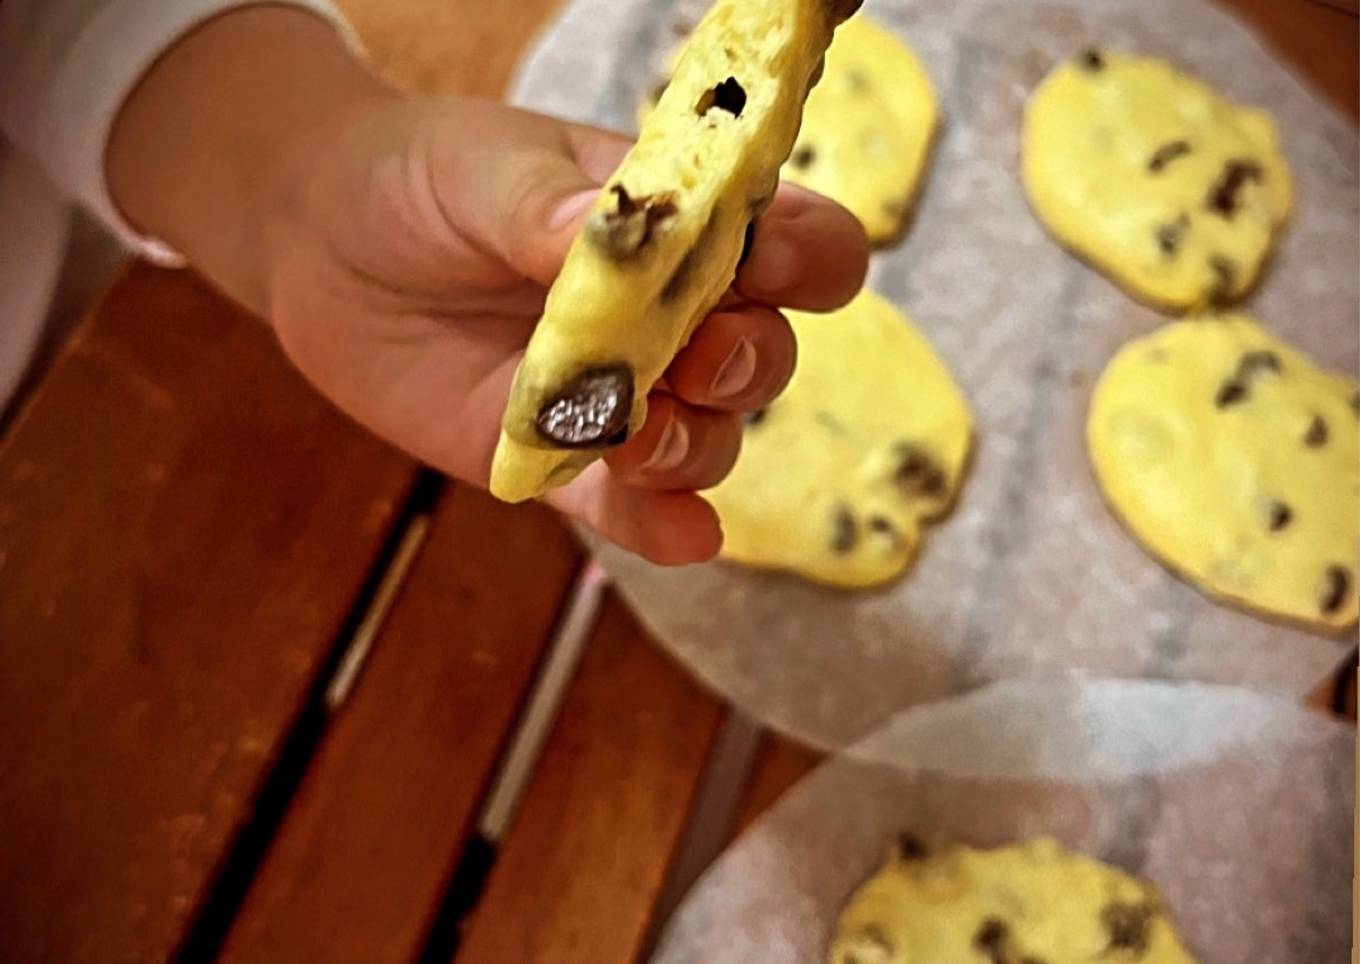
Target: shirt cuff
76	66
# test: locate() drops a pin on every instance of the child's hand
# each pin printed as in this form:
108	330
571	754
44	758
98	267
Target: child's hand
403	258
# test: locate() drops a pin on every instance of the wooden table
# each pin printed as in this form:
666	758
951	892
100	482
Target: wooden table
196	552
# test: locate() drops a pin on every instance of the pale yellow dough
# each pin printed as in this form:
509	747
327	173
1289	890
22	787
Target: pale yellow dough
1021	904
1236	461
870	439
1154	178
867	128
663	242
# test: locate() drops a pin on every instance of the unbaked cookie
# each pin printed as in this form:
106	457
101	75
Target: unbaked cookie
663	241
1030	903
1154	178
838	475
1236	461
867	128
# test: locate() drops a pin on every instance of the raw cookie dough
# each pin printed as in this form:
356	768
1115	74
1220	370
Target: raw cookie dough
1154	178
867	128
662	243
1236	462
838	474
1030	903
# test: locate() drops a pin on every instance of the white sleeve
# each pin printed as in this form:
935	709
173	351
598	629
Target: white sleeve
67	65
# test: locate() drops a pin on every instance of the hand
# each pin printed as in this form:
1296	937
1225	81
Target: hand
403	248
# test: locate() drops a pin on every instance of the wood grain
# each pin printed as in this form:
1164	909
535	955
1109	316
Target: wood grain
779	764
362	856
1317	40
581	868
183	525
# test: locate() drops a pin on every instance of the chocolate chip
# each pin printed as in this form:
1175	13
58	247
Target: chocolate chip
991	935
1280	516
1336	587
1092	59
911	847
747	243
802	158
1316	436
1167	153
591	409
1223	196
846	532
916	473
1170	236
729	96
756	417
1225	273
883	524
1127	925
623	232
1230	393
1253	363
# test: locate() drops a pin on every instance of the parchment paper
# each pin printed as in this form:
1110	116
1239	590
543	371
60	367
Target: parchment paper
1238	805
1032	572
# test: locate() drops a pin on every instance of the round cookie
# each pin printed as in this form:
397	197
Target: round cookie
838	474
868	127
1030	903
1236	462
1154	178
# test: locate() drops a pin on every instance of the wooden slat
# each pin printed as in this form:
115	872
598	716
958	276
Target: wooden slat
582	866
183	525
370	840
779	764
1317	40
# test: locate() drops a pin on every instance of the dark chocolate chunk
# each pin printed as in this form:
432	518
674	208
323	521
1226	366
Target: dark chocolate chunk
1167	153
1280	516
625	231
880	523
916	472
1225	274
1092	59
729	96
756	417
1170	236
1336	587
803	157
846	530
1253	363
591	409
911	847
1230	393
991	935
1223	196
1127	925
1316	436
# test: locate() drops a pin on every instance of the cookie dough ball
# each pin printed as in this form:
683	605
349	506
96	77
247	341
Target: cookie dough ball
838	475
1154	178
1030	903
1236	461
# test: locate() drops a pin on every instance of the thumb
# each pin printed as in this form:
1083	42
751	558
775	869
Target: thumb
519	185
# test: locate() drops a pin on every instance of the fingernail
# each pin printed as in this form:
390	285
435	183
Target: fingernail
774	264
572	208
736	372
670	450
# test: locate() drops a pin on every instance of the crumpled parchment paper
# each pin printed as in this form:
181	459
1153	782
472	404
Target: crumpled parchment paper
1237	804
1032	572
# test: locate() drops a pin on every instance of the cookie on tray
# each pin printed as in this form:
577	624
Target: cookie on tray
1236	461
1153	177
